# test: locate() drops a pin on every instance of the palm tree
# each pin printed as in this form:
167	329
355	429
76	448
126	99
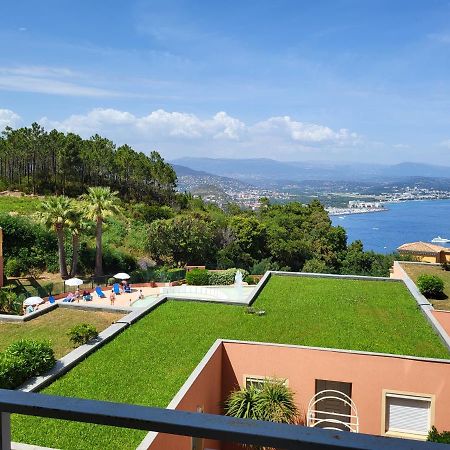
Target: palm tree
274	402
101	203
55	214
77	224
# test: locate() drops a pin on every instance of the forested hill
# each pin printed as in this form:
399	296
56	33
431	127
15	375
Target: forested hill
36	161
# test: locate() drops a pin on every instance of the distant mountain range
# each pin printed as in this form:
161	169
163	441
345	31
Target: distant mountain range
256	170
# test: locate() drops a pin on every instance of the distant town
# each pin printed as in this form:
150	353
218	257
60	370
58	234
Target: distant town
339	200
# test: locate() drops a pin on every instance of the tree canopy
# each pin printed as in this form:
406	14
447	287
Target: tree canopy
40	162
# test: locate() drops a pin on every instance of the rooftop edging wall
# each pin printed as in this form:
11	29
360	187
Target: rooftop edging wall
152	435
80	353
425	306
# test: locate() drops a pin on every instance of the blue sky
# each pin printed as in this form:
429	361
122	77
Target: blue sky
292	80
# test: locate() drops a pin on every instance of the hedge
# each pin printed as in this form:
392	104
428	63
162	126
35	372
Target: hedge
225	277
24	359
197	277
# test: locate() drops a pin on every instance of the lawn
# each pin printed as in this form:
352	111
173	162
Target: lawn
414	270
149	362
54	327
21	205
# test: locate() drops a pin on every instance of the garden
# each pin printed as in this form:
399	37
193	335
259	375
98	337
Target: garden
54	326
441	299
164	347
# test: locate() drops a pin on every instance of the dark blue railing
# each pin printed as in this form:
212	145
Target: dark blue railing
192	424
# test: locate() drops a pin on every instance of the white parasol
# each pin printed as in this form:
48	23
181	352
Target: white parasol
32	301
122	276
73	282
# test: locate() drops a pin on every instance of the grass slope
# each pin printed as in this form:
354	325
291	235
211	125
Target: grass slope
149	362
21	205
414	270
54	326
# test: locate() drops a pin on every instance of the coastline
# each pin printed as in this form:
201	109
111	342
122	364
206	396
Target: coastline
352	211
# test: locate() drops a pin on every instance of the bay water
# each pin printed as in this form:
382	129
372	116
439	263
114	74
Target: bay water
410	221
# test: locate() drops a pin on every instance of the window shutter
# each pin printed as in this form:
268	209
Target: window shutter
408	414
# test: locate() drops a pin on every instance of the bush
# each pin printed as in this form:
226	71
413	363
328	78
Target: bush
261	267
434	436
13	267
197	277
315	266
82	334
23	360
226	277
10	303
176	274
273	401
430	285
249	279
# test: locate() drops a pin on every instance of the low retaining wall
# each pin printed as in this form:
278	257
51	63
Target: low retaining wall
77	355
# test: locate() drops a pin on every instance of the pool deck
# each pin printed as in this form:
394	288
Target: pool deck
123	300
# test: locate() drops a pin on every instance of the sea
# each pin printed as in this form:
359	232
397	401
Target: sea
410	221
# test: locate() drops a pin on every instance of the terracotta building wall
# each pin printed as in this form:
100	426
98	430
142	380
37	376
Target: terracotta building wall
369	375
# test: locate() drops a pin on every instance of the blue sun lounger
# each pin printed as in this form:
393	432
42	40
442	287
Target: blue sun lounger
99	292
116	288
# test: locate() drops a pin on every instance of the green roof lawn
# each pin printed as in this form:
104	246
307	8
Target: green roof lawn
149	362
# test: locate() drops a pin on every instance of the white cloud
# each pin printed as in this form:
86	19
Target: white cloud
180	133
303	132
49	80
445	143
8	118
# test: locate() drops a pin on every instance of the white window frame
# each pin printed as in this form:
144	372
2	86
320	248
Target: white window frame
429	398
260	379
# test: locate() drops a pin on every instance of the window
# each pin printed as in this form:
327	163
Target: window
258	382
408	414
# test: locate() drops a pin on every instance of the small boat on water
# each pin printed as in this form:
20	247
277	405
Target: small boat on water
440	240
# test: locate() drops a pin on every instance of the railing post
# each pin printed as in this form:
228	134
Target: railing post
197	443
5	431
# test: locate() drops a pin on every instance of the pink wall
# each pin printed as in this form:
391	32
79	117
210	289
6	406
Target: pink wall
443	317
369	375
205	391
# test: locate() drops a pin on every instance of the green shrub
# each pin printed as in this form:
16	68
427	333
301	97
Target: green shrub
250	280
198	277
261	267
13	267
176	274
435	436
226	277
315	266
10	303
430	285
24	359
82	333
274	402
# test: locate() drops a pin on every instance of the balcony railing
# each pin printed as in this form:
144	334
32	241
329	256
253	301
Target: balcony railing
196	425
